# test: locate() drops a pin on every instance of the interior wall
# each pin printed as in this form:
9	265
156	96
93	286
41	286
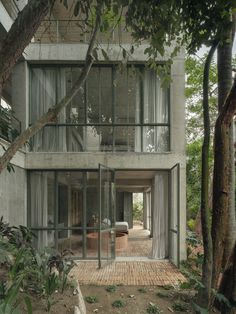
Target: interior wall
128	208
13	196
119	206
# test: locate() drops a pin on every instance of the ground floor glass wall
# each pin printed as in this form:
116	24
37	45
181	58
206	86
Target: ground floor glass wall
57	202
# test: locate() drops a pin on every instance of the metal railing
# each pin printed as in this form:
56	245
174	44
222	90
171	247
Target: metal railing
105	138
10	126
76	31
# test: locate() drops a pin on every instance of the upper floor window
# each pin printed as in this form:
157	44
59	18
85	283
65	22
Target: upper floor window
117	110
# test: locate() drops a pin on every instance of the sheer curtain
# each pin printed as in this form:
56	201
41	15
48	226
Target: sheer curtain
39	206
47	88
160	216
155	111
137	141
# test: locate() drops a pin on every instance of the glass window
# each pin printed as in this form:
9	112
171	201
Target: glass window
116	110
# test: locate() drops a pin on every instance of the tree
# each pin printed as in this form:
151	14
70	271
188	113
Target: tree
20	35
188	22
94	24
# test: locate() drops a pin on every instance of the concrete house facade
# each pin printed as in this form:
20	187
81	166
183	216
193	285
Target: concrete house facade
121	134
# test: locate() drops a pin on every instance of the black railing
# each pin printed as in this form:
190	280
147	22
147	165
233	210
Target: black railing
10	126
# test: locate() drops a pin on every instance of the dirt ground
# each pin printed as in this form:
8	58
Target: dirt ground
61	304
135	299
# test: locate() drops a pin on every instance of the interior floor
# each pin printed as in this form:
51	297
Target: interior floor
139	243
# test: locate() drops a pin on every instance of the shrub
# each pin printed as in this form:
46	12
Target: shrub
118	303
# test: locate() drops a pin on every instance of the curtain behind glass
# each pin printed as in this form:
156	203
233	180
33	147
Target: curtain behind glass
39	206
47	89
160	216
155	110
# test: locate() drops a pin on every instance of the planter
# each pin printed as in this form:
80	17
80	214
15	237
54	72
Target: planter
121	241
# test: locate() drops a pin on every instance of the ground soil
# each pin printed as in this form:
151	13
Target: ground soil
62	303
136	298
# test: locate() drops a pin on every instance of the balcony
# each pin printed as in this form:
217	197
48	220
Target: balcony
76	31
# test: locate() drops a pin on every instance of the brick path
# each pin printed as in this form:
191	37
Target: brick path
128	273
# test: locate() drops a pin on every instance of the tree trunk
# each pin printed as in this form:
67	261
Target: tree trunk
52	113
20	35
204	295
228	284
224	60
221	183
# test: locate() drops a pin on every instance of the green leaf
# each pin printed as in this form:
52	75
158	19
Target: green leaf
222	299
77	8
28	304
199	309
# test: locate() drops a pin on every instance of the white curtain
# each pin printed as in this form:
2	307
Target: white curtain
47	88
39	206
160	216
155	111
137	142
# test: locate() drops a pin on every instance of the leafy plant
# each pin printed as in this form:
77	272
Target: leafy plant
118	303
163	294
153	309
168	287
199	310
111	288
28	270
180	306
51	285
142	290
91	299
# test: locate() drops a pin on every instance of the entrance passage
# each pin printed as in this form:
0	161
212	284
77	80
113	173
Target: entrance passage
139	243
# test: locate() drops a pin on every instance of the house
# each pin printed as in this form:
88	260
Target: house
123	133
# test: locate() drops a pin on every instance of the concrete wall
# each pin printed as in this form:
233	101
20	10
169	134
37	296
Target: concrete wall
20	93
13	196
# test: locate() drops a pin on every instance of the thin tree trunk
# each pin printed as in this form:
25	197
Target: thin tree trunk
204	296
221	183
224	64
20	35
52	113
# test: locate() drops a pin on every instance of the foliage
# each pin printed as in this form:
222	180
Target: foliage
112	288
28	270
194	68
163	294
153	309
180	306
142	290
194	130
91	299
138	211
118	303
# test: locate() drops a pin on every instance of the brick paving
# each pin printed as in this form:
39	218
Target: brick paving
130	273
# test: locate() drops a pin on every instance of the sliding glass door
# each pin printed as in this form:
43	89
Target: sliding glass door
107	235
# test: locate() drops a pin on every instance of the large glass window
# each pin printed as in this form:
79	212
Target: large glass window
116	110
